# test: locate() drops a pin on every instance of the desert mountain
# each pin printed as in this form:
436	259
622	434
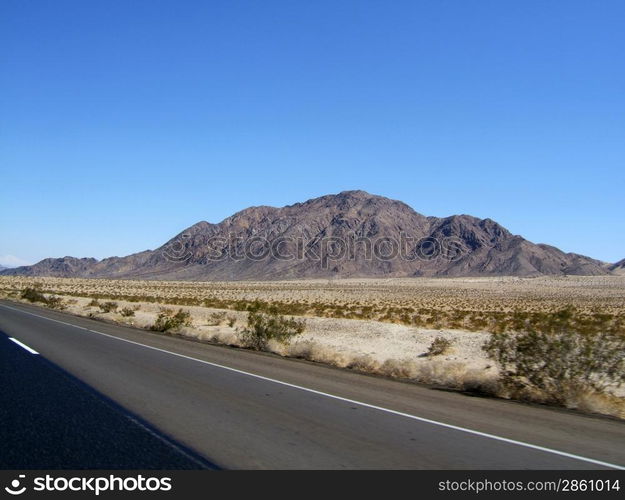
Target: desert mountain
350	234
618	267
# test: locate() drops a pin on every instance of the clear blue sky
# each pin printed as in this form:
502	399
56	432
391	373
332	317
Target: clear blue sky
123	122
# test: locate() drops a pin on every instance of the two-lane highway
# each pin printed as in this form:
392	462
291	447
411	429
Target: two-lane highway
241	409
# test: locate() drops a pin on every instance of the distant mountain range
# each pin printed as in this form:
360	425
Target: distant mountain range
350	234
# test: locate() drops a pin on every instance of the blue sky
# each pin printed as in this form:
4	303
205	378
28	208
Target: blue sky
123	122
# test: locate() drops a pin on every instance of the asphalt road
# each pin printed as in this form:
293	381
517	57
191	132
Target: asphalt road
240	409
51	420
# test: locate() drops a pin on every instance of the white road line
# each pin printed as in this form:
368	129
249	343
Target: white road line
24	346
347	400
126	414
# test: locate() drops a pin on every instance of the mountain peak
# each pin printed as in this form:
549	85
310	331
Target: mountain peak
357	193
353	198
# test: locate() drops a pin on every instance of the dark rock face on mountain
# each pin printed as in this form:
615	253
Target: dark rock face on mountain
351	234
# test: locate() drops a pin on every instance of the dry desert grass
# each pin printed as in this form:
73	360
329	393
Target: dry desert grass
473	304
385	327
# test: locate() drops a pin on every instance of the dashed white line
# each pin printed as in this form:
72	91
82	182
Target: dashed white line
23	346
347	400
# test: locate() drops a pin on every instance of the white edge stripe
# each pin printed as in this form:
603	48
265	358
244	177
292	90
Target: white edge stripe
340	398
30	350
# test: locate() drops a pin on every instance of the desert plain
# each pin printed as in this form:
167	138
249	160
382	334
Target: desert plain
381	326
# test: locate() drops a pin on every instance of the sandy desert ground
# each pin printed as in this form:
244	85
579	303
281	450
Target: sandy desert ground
393	300
377	326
